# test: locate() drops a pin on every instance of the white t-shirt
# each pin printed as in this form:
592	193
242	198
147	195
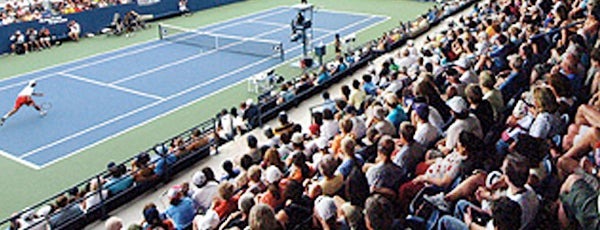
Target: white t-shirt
203	197
470	124
75	28
93	198
27	91
426	134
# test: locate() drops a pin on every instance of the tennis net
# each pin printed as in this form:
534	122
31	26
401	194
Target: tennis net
227	43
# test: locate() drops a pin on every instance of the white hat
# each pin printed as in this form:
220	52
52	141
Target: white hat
199	178
492	178
462	63
297	138
249	101
325	207
209	221
173	192
457	104
410	42
273	174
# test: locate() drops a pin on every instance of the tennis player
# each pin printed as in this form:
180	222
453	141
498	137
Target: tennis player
24	98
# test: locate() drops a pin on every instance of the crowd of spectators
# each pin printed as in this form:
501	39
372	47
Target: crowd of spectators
493	123
16	11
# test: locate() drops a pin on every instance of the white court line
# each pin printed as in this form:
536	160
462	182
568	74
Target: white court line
190	58
19	160
245	21
112	86
175	109
120	54
283	24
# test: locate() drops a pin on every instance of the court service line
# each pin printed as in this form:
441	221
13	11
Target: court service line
159	102
191	57
112	86
225	22
229	25
283	24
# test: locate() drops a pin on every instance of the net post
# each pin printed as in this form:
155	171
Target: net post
160	33
282	52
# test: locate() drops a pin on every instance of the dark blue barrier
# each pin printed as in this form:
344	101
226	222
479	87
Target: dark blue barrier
94	21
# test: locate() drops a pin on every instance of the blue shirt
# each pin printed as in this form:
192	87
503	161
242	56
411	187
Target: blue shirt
370	88
117	185
513	84
170	159
182	214
323	77
397	116
346	167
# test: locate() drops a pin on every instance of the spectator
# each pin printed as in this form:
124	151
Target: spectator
505	215
262	217
332	182
464	123
377	214
230	172
119	179
385	177
426	134
239	219
226	202
326	212
64	213
74	30
113	223
153	219
181	208
357	95
410	152
479	107
94	196
18	44
491	94
350	160
206	189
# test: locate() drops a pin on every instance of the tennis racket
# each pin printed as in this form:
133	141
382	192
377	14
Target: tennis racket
46	106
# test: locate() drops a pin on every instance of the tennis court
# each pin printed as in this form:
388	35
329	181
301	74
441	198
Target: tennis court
102	96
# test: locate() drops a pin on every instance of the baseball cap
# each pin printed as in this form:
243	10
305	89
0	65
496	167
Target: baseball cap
173	192
421	109
325	207
273	174
199	178
457	104
297	138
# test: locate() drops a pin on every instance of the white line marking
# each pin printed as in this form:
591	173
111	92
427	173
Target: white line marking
229	25
134	51
19	160
189	58
283	24
170	112
112	86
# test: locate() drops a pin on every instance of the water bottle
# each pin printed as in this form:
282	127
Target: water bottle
597	154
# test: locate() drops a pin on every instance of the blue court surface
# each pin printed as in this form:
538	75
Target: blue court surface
99	97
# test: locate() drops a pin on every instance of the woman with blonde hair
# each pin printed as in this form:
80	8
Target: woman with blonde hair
263	217
547	122
272	158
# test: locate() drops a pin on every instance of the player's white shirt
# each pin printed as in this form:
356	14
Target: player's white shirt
27	91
